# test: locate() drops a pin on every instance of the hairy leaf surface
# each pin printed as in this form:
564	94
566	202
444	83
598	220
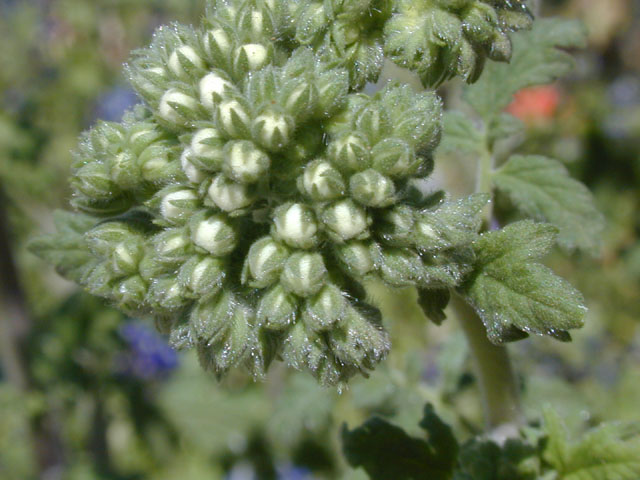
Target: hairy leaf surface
542	188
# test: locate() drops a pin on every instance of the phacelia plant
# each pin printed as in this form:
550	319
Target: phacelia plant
246	200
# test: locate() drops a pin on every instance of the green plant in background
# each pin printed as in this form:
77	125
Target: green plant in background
245	203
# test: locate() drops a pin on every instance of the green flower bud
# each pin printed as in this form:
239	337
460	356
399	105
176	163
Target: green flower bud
125	170
94	181
207	147
372	189
185	62
157	164
395	158
264	262
228	195
177	109
373	122
141	136
324	309
345	220
209	320
244	162
350	151
299	98
356	257
177	204
130	293
277	309
360	342
321	181
400	267
127	255
255	24
272	129
213	87
397	226
172	245
150	82
232	117
333	87
213	233
304	273
103	238
166	293
295	224
202	276
191	171
251	57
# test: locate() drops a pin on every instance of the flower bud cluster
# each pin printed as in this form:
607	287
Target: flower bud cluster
247	199
439	39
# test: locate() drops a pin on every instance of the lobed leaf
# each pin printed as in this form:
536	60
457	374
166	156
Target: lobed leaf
542	188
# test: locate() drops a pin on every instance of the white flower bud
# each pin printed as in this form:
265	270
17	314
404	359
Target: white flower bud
345	220
296	225
184	61
304	273
229	195
172	244
272	129
244	162
176	205
202	275
356	257
127	256
250	57
193	173
217	45
214	234
299	98
213	87
372	189
321	181
264	262
176	107
233	118
206	145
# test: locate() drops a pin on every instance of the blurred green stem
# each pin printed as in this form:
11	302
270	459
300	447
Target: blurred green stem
496	379
484	181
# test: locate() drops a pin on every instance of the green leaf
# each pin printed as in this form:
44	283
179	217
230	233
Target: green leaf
387	452
542	188
537	59
460	134
608	452
486	460
513	294
67	249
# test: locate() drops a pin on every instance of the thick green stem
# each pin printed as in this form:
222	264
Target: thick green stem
496	379
484	173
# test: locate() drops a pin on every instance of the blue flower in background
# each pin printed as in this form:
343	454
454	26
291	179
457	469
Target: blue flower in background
149	356
112	105
244	471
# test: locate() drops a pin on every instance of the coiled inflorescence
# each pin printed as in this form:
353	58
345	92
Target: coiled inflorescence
243	205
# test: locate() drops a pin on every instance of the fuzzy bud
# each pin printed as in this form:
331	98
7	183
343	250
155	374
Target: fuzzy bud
356	257
207	147
325	308
185	62
177	108
156	164
217	45
264	262
321	181
251	57
172	245
295	224
193	173
304	273
345	220
397	226
127	255
394	157
299	98
213	234
177	203
272	129
213	87
202	275
350	152
372	189
228	195
244	162
233	117
277	308
210	319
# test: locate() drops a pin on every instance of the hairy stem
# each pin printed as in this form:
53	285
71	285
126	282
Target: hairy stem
496	379
484	172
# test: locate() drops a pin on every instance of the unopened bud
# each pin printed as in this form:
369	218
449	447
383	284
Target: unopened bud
191	171
214	234
177	108
295	224
251	57
228	195
350	152
264	262
372	189
356	257
213	87
185	62
244	162
207	147
202	275
277	309
177	203
233	117
325	308
304	273
272	129
394	157
321	181
299	98
345	220
127	255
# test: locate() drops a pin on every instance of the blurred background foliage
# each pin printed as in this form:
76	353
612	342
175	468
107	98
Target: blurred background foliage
88	394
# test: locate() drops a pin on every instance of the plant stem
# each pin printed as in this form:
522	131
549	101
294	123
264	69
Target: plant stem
496	379
485	166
